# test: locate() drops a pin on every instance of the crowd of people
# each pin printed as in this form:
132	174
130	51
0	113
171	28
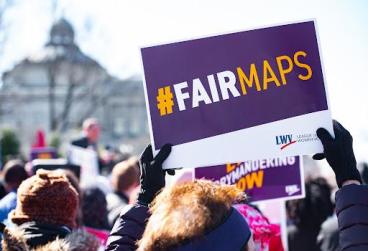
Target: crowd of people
133	209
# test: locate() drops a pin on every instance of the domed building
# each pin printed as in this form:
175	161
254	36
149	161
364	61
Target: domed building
62	33
57	88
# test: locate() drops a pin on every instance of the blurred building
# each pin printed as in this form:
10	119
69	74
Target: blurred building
58	87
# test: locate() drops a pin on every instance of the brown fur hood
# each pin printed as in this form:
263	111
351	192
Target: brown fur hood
78	240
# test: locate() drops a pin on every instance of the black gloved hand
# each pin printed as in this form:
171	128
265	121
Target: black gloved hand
152	174
339	153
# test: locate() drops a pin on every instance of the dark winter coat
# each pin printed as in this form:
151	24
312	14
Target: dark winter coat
352	216
128	228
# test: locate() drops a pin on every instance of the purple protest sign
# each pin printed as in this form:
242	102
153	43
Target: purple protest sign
276	178
200	92
43	153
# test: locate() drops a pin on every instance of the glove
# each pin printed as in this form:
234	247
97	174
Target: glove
339	153
152	175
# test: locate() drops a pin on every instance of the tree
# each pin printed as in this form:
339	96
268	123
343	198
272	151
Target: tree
84	81
4	6
55	141
9	144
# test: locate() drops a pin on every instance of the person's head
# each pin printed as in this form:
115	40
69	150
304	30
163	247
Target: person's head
13	174
196	214
47	197
91	129
94	208
125	176
314	209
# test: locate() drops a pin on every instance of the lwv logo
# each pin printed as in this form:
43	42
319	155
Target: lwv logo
292	189
284	140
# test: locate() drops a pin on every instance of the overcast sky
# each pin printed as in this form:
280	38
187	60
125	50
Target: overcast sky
111	31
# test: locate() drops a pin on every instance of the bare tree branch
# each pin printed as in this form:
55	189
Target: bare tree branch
4	7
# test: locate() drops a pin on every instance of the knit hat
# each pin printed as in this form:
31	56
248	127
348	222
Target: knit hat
46	197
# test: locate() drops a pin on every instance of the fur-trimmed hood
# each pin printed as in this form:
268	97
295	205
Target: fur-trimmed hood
77	240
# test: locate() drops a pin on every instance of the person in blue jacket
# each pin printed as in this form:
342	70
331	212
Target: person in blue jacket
13	175
351	202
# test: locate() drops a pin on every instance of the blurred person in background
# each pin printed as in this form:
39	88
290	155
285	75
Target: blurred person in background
222	226
94	210
308	214
111	157
45	216
124	180
91	133
328	237
13	174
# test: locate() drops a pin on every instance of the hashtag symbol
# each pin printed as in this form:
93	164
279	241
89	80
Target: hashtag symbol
165	101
